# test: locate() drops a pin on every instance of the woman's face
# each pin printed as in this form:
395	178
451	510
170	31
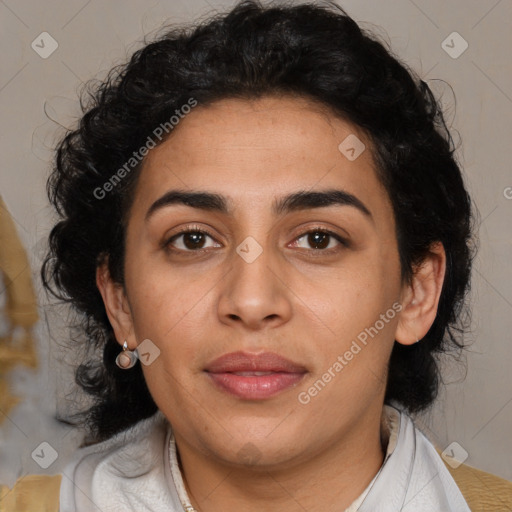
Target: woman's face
303	322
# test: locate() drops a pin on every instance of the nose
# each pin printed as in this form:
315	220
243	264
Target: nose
254	294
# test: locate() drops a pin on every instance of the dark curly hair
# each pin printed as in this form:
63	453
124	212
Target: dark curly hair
309	50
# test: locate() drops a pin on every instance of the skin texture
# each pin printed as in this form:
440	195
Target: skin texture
305	303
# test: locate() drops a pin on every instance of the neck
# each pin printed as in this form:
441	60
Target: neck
328	481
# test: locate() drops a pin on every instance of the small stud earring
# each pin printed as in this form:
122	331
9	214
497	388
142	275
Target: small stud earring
127	358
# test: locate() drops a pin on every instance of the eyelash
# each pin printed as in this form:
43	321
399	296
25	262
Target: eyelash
195	229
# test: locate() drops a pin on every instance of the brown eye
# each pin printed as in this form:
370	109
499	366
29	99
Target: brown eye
319	240
192	240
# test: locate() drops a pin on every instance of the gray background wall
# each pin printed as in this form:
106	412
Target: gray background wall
475	408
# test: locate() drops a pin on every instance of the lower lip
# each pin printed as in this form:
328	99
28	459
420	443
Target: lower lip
256	387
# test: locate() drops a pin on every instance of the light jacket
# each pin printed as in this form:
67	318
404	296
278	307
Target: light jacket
137	470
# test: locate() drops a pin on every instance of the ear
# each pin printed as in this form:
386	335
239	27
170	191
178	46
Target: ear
420	297
116	306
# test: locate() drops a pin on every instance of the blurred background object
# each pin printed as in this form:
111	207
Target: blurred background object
19	309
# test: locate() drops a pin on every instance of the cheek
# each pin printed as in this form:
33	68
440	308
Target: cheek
174	319
173	312
354	297
162	295
357	315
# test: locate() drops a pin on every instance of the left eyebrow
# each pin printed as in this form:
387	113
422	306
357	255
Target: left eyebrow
302	200
306	200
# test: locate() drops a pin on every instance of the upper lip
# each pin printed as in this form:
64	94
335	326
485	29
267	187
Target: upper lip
246	362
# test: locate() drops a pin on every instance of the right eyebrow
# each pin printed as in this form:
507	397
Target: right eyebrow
202	200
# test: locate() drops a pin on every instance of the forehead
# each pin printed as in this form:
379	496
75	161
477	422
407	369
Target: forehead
255	150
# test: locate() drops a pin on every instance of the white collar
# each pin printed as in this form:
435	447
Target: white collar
138	471
177	477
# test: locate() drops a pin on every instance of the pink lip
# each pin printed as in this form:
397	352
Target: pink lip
239	374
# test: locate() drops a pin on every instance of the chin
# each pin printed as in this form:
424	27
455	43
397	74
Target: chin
257	448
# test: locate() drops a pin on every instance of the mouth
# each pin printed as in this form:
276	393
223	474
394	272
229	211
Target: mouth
254	376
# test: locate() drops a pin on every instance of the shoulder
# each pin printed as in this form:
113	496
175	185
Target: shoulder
414	477
482	491
128	452
123	456
124	465
32	492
